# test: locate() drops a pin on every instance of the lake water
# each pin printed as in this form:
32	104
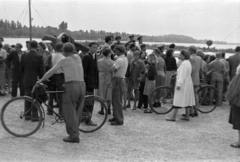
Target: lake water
218	46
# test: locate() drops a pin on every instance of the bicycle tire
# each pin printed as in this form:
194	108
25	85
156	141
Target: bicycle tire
166	100
100	120
205	106
15	108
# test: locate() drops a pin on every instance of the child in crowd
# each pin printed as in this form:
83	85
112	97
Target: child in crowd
150	77
136	68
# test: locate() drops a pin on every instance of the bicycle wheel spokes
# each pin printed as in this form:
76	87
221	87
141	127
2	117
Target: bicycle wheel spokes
15	120
164	96
207	97
93	105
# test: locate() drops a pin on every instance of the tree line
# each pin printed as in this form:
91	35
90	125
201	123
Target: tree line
16	29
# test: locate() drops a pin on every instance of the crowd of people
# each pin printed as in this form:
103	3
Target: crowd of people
123	68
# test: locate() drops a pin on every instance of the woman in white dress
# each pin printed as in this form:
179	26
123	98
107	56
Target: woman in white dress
183	93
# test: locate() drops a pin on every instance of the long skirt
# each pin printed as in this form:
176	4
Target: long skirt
234	117
150	85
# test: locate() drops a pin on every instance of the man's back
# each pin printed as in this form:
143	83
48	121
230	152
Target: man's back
218	69
33	67
233	63
196	63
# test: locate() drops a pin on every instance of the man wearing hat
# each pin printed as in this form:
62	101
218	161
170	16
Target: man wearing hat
13	61
131	37
119	69
118	40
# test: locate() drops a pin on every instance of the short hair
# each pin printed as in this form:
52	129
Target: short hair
212	58
42	45
172	45
68	48
223	54
113	46
205	57
120	48
2	38
117	37
143	46
219	55
161	47
92	43
19	45
200	53
132	45
157	50
106	51
27	41
59	46
237	49
13	46
1	45
169	53
186	54
33	44
193	49
108	38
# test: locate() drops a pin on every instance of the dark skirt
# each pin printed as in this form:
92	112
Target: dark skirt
234	117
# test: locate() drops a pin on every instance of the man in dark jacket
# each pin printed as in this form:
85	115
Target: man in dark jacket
13	61
90	75
234	61
33	69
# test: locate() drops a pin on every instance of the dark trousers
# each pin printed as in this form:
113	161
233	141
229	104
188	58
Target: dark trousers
118	88
143	99
73	100
17	80
30	111
88	106
56	84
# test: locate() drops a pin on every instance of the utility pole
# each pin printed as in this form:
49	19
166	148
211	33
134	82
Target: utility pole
30	21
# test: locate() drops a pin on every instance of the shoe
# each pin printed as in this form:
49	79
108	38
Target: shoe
91	123
134	108
128	106
235	145
192	115
101	112
71	140
28	117
147	111
139	108
116	123
49	113
159	104
35	119
195	114
169	119
56	105
112	120
155	104
186	119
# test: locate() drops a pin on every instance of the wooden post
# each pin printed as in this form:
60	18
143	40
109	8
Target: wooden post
30	21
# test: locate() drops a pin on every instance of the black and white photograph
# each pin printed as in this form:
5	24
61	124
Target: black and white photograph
120	81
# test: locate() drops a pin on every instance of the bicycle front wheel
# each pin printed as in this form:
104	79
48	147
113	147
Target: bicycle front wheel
15	120
207	96
163	96
92	106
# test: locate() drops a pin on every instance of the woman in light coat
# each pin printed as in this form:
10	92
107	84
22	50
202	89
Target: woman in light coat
183	93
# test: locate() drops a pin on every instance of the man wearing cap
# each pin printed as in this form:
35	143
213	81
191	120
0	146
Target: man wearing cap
13	61
131	37
119	69
1	40
140	42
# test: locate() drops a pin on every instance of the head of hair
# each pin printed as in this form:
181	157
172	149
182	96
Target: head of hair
68	48
237	49
212	58
186	54
108	38
132	45
13	46
92	43
117	37
169	53
172	45
33	44
193	49
42	45
219	55
106	51
200	53
2	38
120	48
59	46
205	57
156	50
143	46
19	45
113	46
223	54
161	47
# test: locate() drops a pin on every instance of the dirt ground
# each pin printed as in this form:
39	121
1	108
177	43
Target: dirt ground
143	137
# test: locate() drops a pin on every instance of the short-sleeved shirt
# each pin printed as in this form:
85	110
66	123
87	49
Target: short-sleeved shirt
3	53
56	56
121	65
129	56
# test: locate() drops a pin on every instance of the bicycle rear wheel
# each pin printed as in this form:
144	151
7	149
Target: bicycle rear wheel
164	95
14	119
92	105
207	103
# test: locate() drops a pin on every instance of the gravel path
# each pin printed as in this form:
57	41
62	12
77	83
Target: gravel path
144	137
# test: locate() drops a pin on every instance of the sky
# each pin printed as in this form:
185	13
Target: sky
200	19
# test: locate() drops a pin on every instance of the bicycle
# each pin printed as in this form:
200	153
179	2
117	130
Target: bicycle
14	121
206	104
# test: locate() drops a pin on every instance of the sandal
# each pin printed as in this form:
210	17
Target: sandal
235	145
147	111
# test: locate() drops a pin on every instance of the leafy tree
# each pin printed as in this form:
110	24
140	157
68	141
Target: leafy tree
209	43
